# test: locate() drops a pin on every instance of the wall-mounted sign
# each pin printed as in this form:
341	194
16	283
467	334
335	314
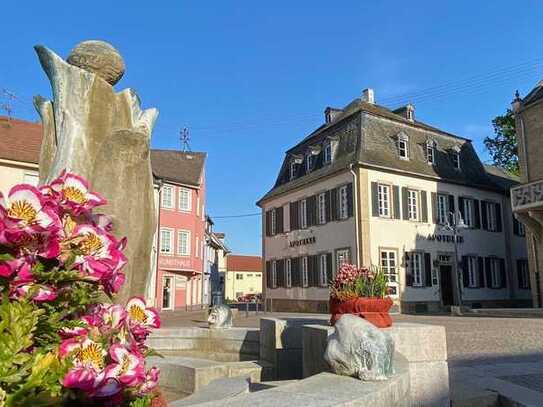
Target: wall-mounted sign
174	263
302	242
442	238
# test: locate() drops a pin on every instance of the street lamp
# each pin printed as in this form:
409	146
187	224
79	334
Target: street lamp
455	224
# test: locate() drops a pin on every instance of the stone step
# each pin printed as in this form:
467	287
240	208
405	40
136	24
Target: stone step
216	390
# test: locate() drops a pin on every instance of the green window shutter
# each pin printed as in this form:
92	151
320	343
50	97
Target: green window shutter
465	275
329	267
484	217
404	203
434	206
452	207
428	269
349	200
396	200
408	273
503	276
477	214
481	264
424	206
328	204
334	204
498	217
279	220
374	199
488	274
268	274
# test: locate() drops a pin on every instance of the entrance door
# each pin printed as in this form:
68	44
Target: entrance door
445	273
167	297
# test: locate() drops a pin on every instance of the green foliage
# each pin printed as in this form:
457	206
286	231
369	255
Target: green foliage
502	147
369	283
141	402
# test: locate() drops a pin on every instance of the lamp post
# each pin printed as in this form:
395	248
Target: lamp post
455	224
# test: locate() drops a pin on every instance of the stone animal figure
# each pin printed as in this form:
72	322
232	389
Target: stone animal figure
358	349
104	136
220	317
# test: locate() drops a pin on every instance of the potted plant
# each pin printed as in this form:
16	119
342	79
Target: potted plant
363	292
63	342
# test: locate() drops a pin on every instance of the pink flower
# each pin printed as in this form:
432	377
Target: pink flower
38	292
151	381
8	268
127	367
72	193
140	314
73	332
88	358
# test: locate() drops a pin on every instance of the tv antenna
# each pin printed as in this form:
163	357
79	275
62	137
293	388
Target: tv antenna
7	104
185	138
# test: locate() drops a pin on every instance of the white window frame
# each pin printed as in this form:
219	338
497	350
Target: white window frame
182	206
322	208
383	200
164	202
328	152
274	274
471	268
169	249
322	270
495	272
308	162
303	213
521	229
288	273
442	209
389	264
292	170
180	250
403	146
430	152
491	219
416	264
342	256
413	204
305	272
456	160
273	222
343	203
469	212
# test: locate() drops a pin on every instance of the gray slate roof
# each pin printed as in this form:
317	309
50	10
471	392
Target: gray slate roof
367	136
178	167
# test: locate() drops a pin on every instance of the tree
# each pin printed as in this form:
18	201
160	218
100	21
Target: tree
503	145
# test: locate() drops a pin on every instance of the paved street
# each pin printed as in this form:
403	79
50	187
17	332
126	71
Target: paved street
470	340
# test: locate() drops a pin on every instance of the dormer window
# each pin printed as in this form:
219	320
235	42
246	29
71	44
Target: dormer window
293	168
455	157
328	152
430	152
308	163
403	146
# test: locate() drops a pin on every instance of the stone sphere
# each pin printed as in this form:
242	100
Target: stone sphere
100	58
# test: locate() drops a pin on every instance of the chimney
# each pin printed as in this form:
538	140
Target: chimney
331	114
368	96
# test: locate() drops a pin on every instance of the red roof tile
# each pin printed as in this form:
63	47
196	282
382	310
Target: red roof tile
243	263
20	140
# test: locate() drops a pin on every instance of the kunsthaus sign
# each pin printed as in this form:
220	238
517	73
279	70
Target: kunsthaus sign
302	242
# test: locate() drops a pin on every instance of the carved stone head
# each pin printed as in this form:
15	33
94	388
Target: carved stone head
220	317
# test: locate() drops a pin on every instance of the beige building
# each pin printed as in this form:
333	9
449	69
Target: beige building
527	199
20	143
373	186
243	276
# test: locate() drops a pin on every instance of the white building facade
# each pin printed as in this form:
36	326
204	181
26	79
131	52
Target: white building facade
375	187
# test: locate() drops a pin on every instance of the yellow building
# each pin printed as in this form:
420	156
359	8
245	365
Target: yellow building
243	276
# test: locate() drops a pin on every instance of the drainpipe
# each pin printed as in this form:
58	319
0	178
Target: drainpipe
160	183
355	212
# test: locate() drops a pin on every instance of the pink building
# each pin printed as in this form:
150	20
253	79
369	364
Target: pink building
180	239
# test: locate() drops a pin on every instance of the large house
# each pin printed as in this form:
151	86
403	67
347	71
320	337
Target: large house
243	276
372	186
176	278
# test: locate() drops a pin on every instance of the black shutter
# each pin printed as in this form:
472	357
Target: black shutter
424	206
316	281
310	272
484	219
374	199
279	228
268	274
498	217
280	267
481	263
311	208
477	214
503	277
519	276
461	208
268	223
408	272
488	274
428	269
334	204
329	267
295	272
294	215
328	205
404	204
452	208
396	200
465	275
434	207
516	228
349	200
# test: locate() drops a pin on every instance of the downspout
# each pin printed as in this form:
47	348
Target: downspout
355	212
160	184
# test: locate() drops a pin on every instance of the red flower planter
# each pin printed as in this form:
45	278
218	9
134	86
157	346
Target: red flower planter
375	310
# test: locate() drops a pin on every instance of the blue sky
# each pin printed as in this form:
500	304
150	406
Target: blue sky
251	78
